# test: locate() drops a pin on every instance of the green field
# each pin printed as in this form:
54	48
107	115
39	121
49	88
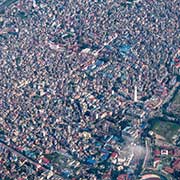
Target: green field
165	129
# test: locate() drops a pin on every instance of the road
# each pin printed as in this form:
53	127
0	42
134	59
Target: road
148	153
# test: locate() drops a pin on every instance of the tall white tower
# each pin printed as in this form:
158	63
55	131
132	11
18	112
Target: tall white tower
135	94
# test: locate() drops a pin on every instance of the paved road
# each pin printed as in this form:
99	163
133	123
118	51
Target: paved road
148	152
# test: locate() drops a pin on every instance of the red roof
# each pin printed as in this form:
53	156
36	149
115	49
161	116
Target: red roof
45	160
178	65
157	152
169	170
114	154
176	164
122	177
177	152
19	148
157	159
176	60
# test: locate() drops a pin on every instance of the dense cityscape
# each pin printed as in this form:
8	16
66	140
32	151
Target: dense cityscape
89	89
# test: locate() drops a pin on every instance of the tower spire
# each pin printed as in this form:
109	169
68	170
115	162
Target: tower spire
135	93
